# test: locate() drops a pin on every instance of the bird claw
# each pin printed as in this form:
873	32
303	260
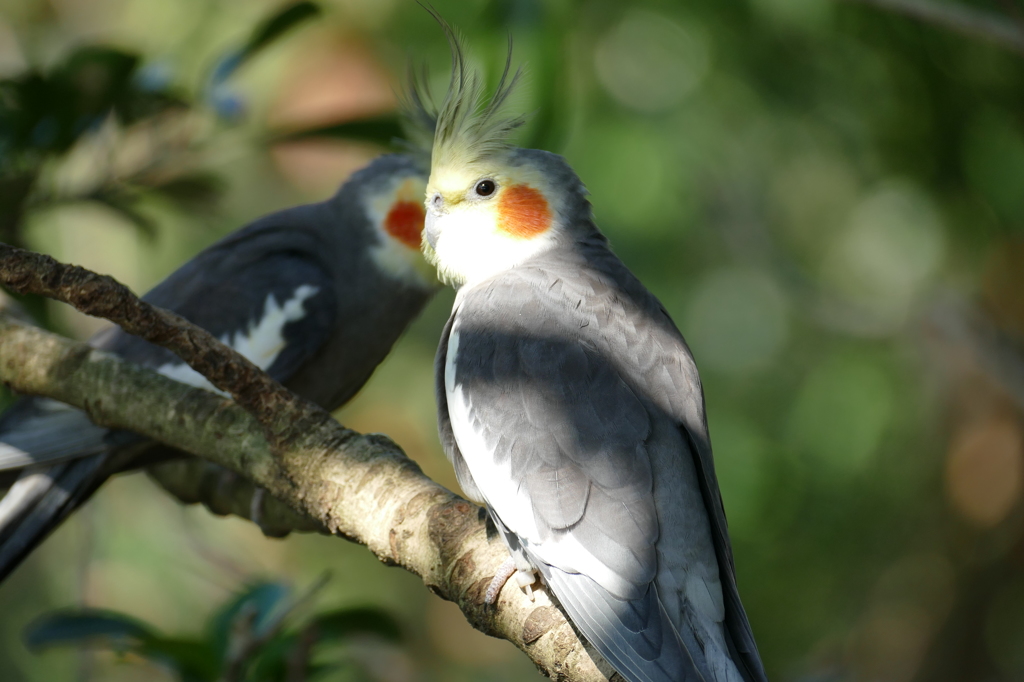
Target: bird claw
508	568
528	589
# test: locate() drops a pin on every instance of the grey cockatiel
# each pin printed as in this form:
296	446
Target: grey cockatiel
316	295
571	407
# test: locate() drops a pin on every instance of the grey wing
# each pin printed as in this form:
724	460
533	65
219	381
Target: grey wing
275	308
36	430
41	499
78	457
278	310
557	443
636	637
669	377
683	380
666	373
444	422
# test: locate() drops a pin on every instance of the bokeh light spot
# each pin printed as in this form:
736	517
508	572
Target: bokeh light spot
841	412
629	176
984	468
813	193
737	321
894	244
891	642
649	63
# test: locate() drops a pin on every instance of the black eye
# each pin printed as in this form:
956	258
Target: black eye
485	188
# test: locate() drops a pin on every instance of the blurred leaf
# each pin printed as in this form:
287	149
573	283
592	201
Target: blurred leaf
270	30
275	656
99	75
193	192
35	114
140	104
261	600
276	26
35	307
244	630
90	83
49	112
193	660
104	79
15	189
335	625
87	626
124	206
383	130
271	661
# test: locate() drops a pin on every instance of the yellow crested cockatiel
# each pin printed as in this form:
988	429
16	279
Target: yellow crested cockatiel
571	407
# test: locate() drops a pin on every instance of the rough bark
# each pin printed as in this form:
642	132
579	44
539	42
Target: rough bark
102	296
361	487
224	492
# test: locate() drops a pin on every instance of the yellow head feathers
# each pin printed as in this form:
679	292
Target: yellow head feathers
468	127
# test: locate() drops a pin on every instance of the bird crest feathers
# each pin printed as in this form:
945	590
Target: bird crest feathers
468	126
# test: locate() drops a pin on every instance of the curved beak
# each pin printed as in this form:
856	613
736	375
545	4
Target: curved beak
430	228
431	231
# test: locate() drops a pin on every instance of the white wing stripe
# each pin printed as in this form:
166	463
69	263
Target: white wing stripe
260	344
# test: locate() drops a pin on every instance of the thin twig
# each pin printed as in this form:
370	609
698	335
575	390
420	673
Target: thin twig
102	296
964	20
297	664
223	492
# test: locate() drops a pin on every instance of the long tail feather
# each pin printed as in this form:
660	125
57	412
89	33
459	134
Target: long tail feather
601	617
41	501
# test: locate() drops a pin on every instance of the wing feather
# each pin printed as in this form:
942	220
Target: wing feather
643	653
444	421
41	431
236	301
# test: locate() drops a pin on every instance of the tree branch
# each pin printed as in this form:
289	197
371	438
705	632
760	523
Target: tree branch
361	487
27	272
964	20
224	492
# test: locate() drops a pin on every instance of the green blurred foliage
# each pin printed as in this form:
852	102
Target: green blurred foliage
248	638
805	184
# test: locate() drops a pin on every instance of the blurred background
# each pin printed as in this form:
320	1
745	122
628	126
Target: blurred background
828	198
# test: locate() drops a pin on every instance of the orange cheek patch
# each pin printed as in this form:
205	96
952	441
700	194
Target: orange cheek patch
404	222
523	212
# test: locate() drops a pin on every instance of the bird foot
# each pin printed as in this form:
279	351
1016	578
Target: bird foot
508	568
